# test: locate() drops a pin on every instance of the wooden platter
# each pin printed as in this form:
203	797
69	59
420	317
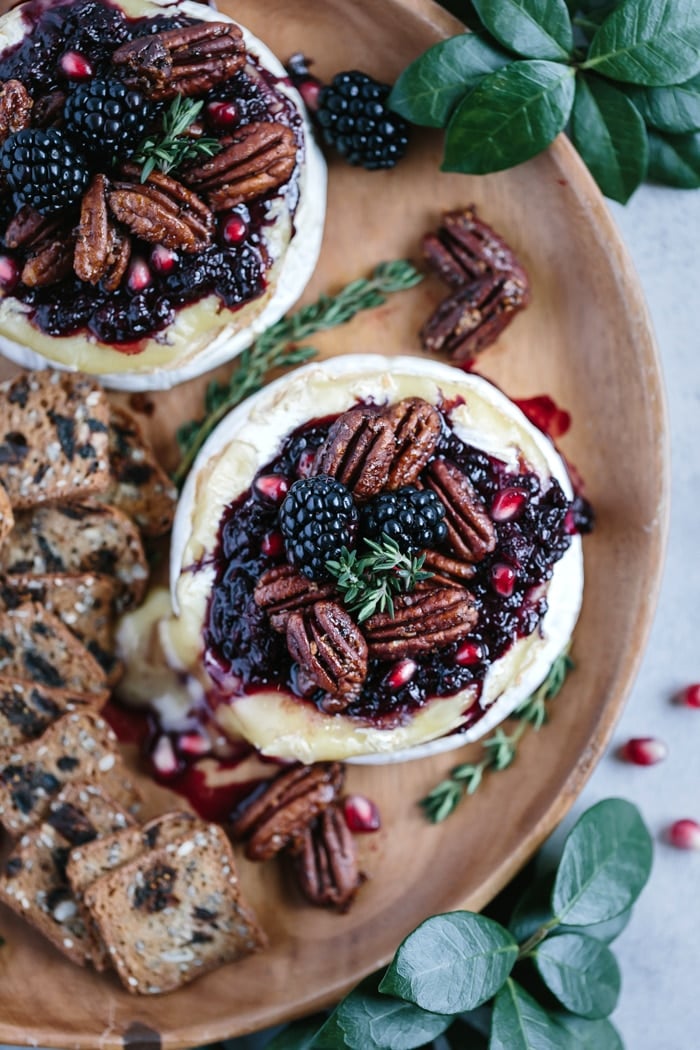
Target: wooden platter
586	341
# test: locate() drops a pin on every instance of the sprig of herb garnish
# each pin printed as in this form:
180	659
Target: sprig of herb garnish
278	347
500	748
174	147
369	582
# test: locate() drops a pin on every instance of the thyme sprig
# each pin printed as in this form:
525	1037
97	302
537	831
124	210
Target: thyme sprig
174	147
278	347
500	748
369	582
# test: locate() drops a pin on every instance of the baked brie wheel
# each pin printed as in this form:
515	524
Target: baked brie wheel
148	284
284	660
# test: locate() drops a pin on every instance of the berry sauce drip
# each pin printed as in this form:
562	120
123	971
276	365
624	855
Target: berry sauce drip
533	532
68	50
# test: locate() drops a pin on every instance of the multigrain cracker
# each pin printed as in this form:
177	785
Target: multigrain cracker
28	709
139	486
7	520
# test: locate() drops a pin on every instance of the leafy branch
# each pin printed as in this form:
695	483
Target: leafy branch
175	146
499	749
278	347
368	583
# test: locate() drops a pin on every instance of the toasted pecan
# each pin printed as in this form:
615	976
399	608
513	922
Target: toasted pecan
325	861
258	159
331	652
422	621
470	530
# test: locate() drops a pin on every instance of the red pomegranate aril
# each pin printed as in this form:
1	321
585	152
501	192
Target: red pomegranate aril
690	697
361	814
469	653
75	66
223	114
272	545
401	673
139	276
164	260
310	89
193	744
305	463
644	751
234	229
163	757
503	579
272	486
508	504
685	834
9	273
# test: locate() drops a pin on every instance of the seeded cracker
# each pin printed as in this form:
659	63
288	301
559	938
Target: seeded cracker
27	709
174	914
6	517
139	486
54	441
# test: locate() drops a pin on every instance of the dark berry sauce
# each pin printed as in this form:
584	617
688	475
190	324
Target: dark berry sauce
235	273
243	654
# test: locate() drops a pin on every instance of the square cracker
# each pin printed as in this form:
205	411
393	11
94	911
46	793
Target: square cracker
28	709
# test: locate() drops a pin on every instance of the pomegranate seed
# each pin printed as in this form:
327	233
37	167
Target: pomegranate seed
9	273
469	653
139	276
361	814
223	114
508	504
310	89
644	751
272	545
306	462
685	834
546	415
193	744
272	486
234	229
690	696
163	260
570	526
75	66
503	579
163	757
401	673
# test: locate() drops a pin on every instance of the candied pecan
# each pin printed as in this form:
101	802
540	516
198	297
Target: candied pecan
282	590
416	426
465	249
331	652
28	227
325	861
101	251
277	815
258	159
162	211
473	317
358	451
186	61
15	108
445	569
422	621
49	261
469	528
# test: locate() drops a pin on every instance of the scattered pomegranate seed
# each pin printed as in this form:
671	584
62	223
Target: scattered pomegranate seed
469	653
234	229
401	673
361	814
163	757
503	579
272	545
193	743
75	66
272	486
644	751
690	696
545	414
223	114
685	834
163	260
139	276
310	89
9	273
306	462
508	504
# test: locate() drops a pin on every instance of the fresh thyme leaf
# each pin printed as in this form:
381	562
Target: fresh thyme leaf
279	346
175	147
368	584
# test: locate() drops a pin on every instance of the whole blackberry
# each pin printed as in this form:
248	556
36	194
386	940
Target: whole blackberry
318	518
355	120
410	516
107	116
43	169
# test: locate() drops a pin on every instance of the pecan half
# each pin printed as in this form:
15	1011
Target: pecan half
282	590
15	108
416	426
465	249
325	861
101	251
185	61
162	211
359	451
277	816
29	227
423	620
473	317
445	569
331	652
470	530
49	261
259	159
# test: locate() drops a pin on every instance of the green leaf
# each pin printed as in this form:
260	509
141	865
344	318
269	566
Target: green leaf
451	963
609	133
675	109
534	910
605	864
581	972
510	116
429	89
654	42
588	1035
301	1035
519	1023
532	28
365	1020
675	160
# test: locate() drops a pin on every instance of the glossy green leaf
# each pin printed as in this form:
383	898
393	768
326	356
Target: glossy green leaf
534	909
581	972
429	89
519	1023
675	160
610	135
454	962
532	28
674	109
510	116
654	42
588	1035
366	1020
605	864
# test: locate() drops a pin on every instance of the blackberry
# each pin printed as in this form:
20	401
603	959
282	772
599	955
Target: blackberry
318	518
43	169
410	516
354	118
107	116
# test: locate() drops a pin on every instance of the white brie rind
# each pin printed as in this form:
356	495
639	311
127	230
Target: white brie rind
204	334
251	436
